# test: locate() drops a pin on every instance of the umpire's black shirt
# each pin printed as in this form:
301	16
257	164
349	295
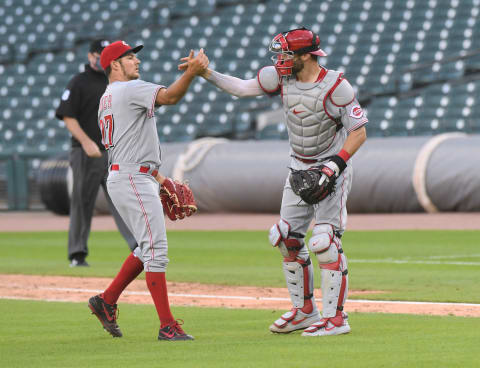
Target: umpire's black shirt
80	100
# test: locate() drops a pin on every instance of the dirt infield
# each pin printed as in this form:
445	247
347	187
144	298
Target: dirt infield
55	288
79	289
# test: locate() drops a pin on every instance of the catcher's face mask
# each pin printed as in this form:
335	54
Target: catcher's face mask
296	41
283	58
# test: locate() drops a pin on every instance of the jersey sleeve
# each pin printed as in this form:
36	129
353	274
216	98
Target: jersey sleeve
143	94
70	100
353	116
269	80
342	104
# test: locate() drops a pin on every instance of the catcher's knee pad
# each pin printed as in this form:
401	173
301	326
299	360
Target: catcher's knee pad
324	244
289	243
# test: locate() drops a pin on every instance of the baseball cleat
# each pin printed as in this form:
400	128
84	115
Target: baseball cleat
294	320
173	332
329	326
106	313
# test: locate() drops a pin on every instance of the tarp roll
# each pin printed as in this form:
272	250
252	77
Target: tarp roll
248	176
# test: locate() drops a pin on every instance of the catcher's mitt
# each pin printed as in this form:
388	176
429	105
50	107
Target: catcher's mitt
177	200
313	185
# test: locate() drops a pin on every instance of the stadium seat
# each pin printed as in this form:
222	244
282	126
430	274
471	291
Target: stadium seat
373	42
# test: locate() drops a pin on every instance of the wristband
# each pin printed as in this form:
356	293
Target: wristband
344	155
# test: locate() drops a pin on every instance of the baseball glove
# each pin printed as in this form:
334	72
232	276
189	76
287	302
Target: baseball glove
177	200
313	185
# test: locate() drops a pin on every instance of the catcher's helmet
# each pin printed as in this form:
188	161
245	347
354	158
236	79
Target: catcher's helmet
295	41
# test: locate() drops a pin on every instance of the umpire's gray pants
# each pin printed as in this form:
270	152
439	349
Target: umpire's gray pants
88	174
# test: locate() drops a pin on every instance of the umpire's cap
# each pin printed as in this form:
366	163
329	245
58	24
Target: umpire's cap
115	51
98	45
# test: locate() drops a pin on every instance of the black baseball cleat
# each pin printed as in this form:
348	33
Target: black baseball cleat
106	313
78	263
173	332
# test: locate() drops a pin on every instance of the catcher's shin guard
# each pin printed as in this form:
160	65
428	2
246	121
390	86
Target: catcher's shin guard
328	248
297	267
299	278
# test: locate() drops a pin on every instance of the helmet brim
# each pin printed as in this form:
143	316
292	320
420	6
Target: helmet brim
318	52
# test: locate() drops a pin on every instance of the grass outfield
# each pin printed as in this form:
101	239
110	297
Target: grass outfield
406	265
43	334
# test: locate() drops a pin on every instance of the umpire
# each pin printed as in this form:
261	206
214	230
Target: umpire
88	158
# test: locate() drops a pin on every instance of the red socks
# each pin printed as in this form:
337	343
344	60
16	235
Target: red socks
157	285
131	268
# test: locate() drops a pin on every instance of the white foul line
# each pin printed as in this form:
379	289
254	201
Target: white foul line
207	296
399	261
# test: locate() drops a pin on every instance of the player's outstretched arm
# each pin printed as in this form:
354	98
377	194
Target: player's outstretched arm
196	65
232	85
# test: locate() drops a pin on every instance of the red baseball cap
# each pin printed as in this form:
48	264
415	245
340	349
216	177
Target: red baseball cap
115	51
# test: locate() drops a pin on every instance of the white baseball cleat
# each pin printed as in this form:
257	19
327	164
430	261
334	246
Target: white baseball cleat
329	326
294	320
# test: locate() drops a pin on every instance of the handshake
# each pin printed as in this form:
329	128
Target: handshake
196	65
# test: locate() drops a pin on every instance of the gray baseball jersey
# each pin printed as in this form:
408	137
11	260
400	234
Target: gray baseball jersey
127	122
129	133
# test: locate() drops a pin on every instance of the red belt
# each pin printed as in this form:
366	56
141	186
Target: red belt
142	169
306	160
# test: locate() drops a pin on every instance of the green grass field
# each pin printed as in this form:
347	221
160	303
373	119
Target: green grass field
439	266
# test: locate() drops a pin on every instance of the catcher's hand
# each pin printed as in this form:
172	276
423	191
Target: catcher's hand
313	185
177	200
318	182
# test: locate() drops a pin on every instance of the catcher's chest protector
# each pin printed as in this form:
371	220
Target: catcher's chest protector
310	130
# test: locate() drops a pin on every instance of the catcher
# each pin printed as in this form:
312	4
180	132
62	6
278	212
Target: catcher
326	126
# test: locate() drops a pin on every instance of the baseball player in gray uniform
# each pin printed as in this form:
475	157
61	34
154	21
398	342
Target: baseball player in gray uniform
325	126
129	133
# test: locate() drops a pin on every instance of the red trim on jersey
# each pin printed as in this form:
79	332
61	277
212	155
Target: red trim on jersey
321	75
151	111
152	251
339	80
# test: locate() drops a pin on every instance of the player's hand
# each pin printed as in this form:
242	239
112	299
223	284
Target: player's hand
195	65
184	65
91	149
